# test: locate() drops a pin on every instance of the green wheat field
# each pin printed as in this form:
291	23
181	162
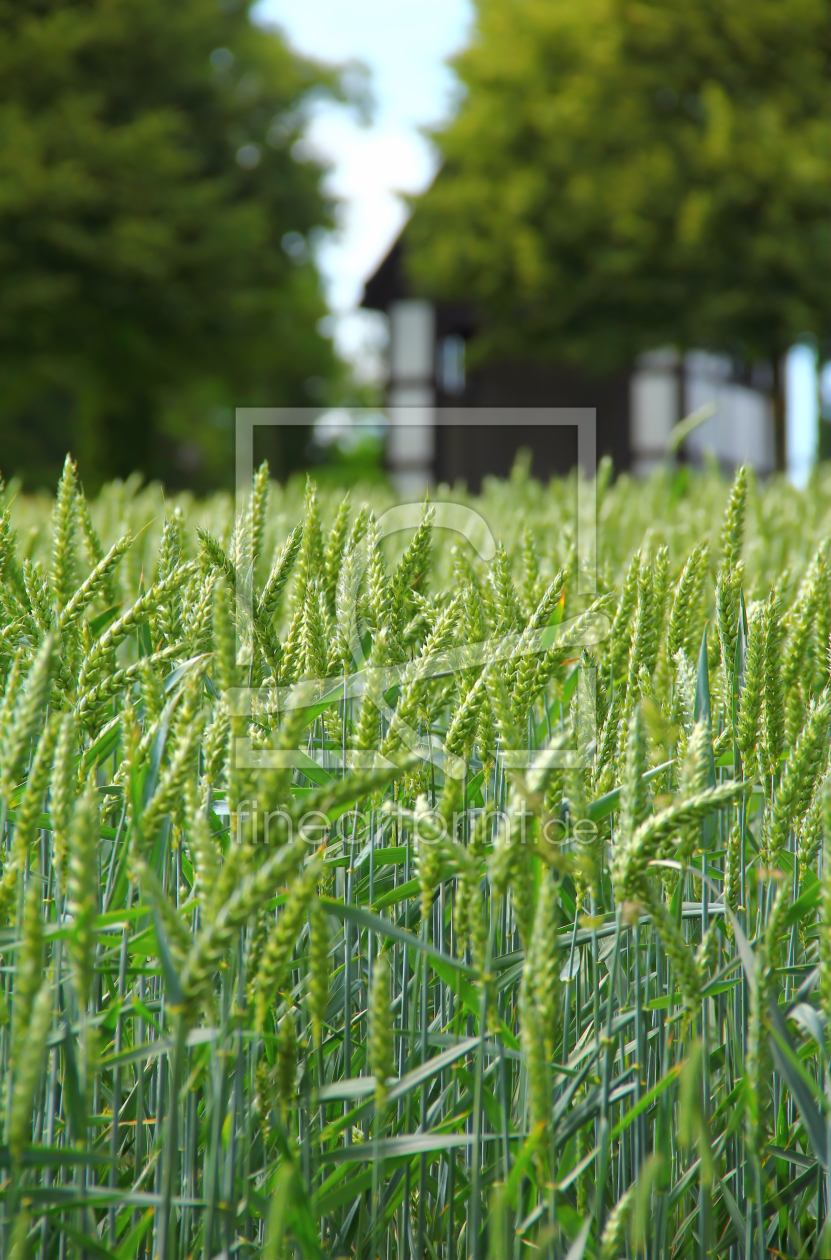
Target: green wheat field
371	893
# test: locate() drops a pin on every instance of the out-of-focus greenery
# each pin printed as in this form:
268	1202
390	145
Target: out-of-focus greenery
623	174
156	210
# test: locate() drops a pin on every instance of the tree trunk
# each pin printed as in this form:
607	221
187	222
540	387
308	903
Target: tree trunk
778	400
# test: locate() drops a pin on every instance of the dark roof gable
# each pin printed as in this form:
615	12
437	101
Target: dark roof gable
388	283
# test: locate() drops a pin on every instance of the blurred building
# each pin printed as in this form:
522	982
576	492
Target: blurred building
636	409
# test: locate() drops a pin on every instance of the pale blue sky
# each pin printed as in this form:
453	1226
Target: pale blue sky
404	44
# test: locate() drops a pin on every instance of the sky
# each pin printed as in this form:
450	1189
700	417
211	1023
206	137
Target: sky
404	45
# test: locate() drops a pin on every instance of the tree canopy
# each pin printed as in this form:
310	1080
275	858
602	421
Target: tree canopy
155	224
624	174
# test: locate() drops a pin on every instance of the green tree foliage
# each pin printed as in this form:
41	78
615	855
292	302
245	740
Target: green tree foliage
626	173
155	215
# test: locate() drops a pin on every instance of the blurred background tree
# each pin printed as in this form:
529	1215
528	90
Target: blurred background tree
157	212
628	174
